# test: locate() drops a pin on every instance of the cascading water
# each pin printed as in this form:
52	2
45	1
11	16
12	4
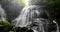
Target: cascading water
3	20
27	15
2	14
24	21
29	20
57	26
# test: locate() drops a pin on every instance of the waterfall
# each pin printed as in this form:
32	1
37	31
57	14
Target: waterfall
2	14
23	19
29	20
27	14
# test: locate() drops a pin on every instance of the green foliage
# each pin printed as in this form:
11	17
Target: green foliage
5	25
52	2
49	2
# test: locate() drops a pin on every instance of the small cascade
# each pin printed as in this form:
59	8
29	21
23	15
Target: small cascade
2	14
56	25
